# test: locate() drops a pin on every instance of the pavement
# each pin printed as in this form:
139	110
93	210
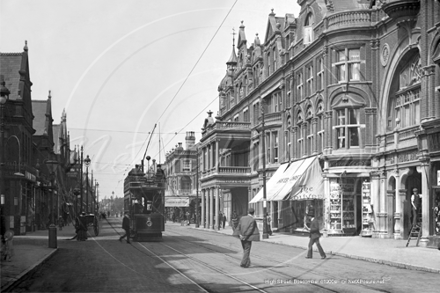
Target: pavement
29	255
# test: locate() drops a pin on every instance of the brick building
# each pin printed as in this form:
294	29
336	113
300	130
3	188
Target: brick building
349	86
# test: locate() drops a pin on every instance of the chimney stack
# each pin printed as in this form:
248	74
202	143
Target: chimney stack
190	140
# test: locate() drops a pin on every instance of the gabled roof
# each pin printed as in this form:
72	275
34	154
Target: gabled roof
274	25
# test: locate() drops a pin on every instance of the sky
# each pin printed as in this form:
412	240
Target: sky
118	68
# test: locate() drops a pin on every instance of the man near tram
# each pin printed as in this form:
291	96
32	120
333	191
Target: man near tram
247	231
126	227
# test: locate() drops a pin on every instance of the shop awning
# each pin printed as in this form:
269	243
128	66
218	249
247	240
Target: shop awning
175	201
301	179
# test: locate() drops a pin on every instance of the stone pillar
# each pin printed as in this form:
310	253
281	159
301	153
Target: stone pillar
375	200
425	203
208	204
211	209
202	216
217	157
401	199
398	211
390	213
217	206
383	224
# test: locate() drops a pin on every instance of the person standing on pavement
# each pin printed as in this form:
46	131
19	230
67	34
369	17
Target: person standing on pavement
126	227
219	219
224	220
234	220
8	252
247	231
416	200
315	234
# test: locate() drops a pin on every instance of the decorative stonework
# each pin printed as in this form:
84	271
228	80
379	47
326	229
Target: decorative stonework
385	54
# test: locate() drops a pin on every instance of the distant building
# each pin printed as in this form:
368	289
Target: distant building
180	172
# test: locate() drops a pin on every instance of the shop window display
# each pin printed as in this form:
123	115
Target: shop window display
367	211
342	207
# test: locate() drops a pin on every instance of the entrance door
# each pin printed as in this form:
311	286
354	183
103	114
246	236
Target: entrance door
413	181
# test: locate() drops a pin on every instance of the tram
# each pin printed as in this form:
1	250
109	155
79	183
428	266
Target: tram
144	200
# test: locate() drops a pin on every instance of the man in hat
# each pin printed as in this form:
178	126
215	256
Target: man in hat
416	203
247	231
126	227
314	236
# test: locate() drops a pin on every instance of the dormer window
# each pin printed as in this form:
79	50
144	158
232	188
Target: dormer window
308	29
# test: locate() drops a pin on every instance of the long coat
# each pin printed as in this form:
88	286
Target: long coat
247	226
126	223
314	229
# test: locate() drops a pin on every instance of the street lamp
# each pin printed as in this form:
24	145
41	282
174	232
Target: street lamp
4	97
87	163
263	138
97	196
52	166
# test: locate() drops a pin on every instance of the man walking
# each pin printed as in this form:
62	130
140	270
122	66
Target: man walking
416	200
314	238
247	231
126	227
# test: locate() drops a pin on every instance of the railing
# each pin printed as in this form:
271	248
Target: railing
219	125
349	19
234	170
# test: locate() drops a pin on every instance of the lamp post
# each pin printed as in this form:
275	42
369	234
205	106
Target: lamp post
52	166
81	182
87	163
4	97
97	196
263	138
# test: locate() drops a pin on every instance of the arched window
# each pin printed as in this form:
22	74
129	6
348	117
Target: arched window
287	143
185	183
404	100
300	135
308	29
309	130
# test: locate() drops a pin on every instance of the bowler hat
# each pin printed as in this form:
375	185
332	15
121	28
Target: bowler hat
251	210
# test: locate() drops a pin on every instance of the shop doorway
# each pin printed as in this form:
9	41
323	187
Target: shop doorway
391	203
413	180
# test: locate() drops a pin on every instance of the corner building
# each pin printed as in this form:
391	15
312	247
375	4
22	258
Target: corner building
350	86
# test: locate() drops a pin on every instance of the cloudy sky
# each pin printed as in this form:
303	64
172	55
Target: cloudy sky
120	67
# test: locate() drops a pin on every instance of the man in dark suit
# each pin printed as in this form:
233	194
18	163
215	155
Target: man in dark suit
314	237
247	231
126	227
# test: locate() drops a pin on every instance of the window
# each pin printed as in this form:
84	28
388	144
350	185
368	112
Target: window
186	165
185	183
236	118
277	102
274	53
246	117
348	65
268	64
300	135
268	157
408	107
287	138
308	29
256	157
320	128
241	91
310	80
300	86
275	146
309	131
347	128
288	89
320	74
257	111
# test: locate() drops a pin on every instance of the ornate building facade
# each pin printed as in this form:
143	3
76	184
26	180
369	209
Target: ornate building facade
352	86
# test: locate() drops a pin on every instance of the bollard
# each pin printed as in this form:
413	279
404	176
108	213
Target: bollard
52	236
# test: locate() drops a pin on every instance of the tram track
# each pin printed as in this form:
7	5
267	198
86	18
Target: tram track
162	257
272	269
277	264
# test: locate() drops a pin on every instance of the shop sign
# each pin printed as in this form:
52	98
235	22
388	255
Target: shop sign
350	162
406	157
176	201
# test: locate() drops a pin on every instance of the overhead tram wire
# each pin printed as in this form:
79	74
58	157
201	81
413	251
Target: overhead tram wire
189	74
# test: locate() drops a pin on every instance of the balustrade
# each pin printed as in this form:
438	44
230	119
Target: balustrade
349	19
